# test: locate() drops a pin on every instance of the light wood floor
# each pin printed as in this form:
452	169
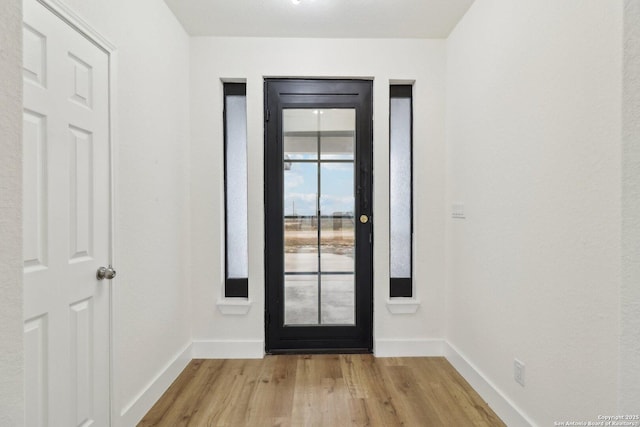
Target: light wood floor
321	390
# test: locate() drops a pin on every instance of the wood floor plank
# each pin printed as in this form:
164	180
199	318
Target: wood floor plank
353	374
274	389
382	405
233	396
320	393
415	408
321	390
458	402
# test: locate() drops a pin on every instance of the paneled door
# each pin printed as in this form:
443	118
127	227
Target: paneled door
318	174
66	223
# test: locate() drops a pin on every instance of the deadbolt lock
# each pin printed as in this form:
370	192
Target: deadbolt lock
364	219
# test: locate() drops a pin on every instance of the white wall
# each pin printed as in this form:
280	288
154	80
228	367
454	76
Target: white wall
630	292
533	136
252	59
11	352
152	324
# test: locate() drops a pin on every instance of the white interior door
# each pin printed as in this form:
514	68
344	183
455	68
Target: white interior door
66	223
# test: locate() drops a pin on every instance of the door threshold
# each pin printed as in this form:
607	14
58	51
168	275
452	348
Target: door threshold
294	351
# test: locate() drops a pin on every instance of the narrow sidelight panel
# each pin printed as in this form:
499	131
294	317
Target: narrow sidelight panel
235	186
401	190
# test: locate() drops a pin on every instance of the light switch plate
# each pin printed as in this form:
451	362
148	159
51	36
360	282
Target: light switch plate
457	211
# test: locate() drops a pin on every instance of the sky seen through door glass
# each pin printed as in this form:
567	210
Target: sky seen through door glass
301	187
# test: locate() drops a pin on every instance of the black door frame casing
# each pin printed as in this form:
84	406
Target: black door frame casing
317	94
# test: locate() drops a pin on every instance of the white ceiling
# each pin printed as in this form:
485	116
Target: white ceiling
320	18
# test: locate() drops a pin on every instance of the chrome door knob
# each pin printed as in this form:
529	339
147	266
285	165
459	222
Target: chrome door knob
105	273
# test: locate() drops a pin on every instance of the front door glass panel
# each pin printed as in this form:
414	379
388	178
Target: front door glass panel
319	211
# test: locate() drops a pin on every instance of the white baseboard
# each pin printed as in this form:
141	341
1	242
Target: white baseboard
498	402
228	349
408	347
133	412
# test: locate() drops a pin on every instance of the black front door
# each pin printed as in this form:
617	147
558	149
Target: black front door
318	179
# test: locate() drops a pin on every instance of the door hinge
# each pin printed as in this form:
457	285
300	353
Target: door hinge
267	115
